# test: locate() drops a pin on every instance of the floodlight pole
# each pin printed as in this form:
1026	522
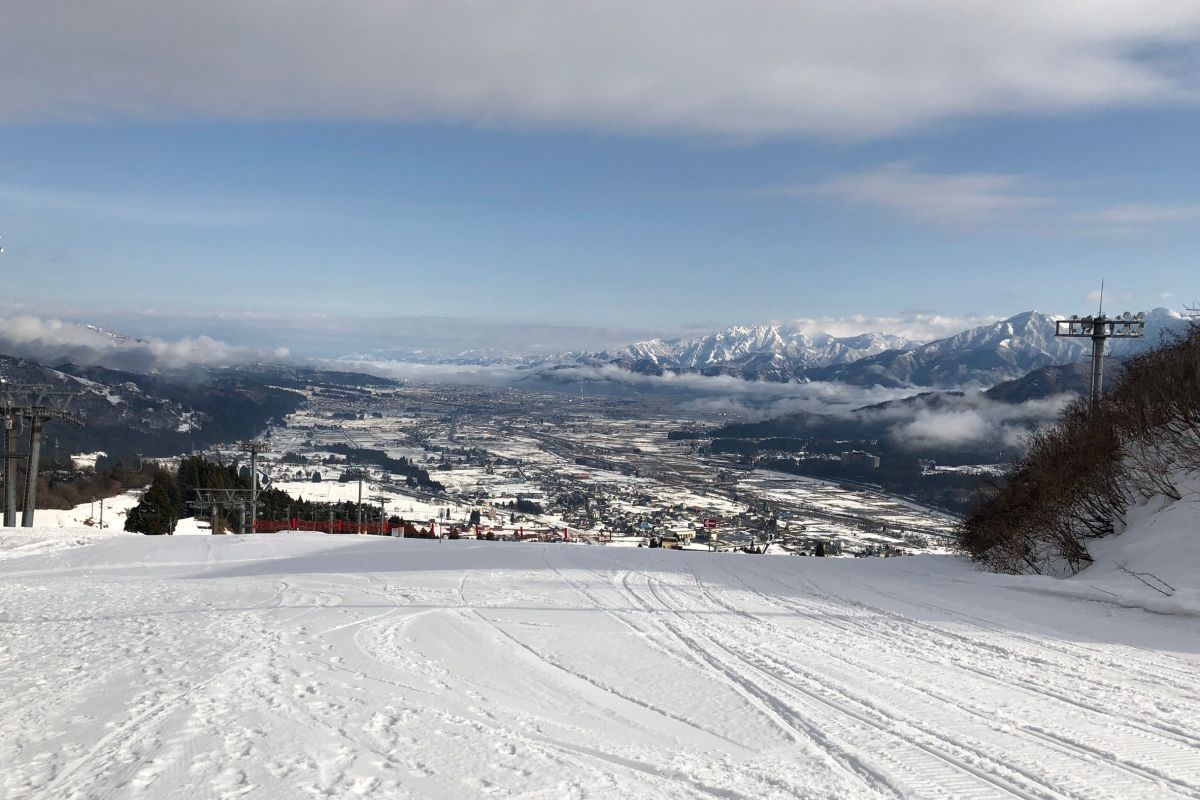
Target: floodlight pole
1098	337
1100	328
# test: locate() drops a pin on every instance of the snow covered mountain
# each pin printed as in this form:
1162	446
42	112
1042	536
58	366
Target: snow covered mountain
989	354
168	412
984	355
759	352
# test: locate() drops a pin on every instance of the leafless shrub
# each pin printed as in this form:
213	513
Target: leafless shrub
1079	476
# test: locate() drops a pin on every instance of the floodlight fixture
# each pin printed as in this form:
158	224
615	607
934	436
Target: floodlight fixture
1100	328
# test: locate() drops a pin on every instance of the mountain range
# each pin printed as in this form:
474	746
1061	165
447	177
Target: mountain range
131	414
984	355
760	352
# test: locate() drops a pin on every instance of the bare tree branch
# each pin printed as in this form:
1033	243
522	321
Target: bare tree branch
1142	576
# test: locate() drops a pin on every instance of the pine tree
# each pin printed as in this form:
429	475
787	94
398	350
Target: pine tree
155	514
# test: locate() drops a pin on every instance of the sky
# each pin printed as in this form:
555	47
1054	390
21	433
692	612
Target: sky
538	175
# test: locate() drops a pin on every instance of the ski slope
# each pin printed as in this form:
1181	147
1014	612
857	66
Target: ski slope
302	665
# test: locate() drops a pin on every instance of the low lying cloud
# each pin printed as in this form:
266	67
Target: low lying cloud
376	339
433	373
972	419
721	394
52	342
752	396
931	421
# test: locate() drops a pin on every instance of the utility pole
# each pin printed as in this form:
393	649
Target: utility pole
1100	328
254	447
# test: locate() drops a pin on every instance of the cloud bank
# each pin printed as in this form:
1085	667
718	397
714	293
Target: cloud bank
52	342
971	419
918	325
717	67
721	394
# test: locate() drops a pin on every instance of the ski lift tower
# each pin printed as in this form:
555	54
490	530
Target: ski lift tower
34	405
1099	329
382	499
254	447
230	500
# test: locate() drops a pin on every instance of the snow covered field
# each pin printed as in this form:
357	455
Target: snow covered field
304	665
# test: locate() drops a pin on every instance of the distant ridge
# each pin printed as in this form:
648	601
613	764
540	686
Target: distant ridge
981	356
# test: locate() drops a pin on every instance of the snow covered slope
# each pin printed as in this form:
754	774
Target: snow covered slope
1152	563
302	665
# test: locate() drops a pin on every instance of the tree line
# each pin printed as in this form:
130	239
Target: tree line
166	500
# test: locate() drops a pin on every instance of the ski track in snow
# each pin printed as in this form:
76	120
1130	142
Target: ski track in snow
309	666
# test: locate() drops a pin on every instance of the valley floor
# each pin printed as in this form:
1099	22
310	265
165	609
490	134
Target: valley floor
302	665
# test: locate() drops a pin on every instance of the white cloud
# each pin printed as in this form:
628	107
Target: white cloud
980	199
721	393
946	199
921	326
725	67
1130	218
947	420
53	341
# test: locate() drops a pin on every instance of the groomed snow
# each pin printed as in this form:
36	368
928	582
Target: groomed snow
304	665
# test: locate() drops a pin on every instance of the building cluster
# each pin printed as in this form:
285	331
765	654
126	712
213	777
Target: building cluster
590	467
860	459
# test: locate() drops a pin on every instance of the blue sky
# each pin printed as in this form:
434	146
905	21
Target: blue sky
263	199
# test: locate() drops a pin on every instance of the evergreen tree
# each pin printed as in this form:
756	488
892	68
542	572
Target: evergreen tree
155	514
